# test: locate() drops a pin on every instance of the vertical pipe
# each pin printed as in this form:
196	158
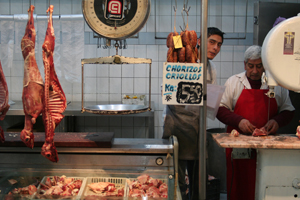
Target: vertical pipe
82	86
203	109
150	86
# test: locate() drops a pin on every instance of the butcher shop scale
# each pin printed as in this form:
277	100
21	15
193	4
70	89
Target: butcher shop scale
130	157
278	163
116	20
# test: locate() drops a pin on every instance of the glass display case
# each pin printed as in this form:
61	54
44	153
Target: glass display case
126	161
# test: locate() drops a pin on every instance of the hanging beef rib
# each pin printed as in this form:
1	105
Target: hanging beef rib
4	106
55	101
33	87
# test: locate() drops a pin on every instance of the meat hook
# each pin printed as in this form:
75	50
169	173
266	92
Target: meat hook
117	46
121	44
98	42
175	10
186	10
125	45
175	7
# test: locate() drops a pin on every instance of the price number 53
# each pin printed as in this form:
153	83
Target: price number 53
189	92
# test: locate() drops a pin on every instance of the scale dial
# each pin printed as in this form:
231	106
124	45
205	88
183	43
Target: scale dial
131	16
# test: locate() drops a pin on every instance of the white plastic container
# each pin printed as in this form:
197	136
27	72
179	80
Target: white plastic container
76	197
119	183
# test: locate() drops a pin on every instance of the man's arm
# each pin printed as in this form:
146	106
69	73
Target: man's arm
227	117
286	112
279	120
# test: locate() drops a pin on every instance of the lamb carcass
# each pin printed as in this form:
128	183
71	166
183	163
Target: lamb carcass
4	106
33	86
55	101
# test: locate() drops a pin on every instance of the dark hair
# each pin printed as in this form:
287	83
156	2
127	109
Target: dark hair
214	31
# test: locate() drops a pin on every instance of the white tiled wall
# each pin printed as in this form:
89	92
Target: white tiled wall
103	83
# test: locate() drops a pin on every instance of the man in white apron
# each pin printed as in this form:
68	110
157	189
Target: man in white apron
183	122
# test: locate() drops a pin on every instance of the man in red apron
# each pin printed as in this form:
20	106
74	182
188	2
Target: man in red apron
244	107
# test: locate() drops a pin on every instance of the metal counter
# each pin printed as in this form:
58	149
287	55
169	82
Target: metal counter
278	163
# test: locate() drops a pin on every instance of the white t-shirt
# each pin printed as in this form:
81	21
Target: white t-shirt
235	85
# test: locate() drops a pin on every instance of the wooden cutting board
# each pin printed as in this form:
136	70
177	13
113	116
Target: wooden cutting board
63	139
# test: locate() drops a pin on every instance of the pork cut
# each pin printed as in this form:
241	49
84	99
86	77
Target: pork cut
31	189
260	132
4	106
106	189
33	86
55	101
298	132
234	133
146	186
62	187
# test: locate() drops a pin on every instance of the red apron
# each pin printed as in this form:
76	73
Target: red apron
253	106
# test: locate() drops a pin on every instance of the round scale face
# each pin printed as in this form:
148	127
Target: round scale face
116	19
281	53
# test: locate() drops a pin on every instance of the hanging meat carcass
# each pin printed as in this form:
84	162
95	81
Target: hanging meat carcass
4	106
33	87
55	101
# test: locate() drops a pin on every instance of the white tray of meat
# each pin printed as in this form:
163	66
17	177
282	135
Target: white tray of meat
60	187
105	187
146	186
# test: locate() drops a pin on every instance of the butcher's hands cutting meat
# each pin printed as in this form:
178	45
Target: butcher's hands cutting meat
33	88
271	126
260	132
249	129
246	127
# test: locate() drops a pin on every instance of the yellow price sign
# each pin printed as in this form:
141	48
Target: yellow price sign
177	42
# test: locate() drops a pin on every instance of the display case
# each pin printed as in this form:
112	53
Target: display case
123	162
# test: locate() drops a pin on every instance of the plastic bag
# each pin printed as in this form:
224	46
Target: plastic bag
214	95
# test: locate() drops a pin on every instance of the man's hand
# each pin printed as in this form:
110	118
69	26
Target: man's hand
271	126
246	127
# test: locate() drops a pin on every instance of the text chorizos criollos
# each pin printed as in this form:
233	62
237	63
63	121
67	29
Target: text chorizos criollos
183	72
